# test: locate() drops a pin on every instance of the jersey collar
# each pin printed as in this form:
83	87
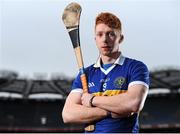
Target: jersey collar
120	60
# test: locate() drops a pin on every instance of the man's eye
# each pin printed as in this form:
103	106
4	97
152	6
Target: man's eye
99	34
111	34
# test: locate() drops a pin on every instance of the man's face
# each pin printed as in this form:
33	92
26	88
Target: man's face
107	39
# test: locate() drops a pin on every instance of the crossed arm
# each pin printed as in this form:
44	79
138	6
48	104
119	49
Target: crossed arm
78	110
75	112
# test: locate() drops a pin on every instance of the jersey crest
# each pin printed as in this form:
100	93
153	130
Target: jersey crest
119	81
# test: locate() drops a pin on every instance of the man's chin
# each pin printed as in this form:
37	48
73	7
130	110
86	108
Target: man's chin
106	53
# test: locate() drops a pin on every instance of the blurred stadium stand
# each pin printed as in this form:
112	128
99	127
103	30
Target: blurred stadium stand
35	105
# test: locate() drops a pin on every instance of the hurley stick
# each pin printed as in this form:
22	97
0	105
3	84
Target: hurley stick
71	19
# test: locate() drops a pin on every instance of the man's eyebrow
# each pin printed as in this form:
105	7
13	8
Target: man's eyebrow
106	31
99	31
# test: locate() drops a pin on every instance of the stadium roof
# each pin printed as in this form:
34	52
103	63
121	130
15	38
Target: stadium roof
169	79
163	81
34	89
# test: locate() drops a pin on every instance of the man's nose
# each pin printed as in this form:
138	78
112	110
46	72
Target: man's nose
105	38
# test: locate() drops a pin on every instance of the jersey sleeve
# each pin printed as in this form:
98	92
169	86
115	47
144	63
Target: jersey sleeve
77	85
139	74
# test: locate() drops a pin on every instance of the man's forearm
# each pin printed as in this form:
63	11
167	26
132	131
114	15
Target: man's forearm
116	107
119	105
127	103
81	114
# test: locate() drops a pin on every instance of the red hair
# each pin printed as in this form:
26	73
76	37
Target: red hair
109	19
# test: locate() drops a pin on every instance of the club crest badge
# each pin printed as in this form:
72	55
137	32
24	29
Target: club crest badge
119	81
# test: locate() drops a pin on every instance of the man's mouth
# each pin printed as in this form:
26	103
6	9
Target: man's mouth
106	48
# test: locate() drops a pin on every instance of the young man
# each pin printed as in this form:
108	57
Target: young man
118	85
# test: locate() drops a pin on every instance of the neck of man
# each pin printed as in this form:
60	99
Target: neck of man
110	59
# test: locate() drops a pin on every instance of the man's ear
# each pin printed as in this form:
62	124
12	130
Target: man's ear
121	39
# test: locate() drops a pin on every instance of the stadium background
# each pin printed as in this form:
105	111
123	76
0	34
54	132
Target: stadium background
35	105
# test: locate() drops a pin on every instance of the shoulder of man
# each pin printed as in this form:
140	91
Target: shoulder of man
89	68
135	62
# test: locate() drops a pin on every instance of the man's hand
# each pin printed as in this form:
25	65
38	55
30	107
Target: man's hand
115	115
85	99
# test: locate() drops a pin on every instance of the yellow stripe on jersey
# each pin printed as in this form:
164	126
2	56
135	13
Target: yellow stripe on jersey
110	92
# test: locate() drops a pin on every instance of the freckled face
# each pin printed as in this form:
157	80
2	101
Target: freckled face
107	39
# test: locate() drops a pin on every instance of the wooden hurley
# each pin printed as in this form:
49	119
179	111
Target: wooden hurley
71	19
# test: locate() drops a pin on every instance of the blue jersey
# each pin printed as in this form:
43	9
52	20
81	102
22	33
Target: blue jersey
115	80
